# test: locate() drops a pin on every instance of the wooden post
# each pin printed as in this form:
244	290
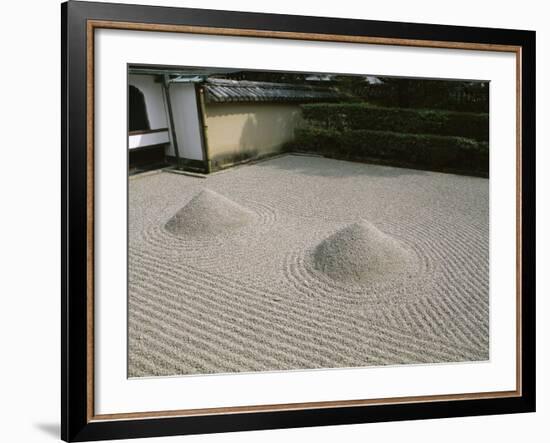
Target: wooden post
166	85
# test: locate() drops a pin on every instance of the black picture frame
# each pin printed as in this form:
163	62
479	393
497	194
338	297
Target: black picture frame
76	422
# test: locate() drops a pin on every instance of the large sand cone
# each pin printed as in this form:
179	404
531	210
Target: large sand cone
360	253
208	214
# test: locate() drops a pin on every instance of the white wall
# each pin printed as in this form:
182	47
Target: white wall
155	105
151	139
29	234
186	121
154	99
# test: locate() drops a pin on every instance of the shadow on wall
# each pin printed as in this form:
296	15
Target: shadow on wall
269	131
263	132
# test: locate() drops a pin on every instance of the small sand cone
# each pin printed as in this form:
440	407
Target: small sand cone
360	253
207	214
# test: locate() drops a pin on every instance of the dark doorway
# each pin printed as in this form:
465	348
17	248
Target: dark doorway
138	120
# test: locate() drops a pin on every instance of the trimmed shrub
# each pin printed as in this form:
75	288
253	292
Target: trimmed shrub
353	116
435	152
452	95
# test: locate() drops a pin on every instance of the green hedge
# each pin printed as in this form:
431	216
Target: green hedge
442	153
352	116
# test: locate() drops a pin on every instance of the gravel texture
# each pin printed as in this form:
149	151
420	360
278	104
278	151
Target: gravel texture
305	262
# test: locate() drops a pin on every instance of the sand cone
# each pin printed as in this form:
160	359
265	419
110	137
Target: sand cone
360	253
209	214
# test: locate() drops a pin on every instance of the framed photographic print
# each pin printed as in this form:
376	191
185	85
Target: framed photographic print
277	221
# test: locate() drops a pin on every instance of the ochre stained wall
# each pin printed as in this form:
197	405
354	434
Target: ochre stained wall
239	131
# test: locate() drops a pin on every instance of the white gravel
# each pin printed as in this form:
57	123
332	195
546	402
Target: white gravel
325	263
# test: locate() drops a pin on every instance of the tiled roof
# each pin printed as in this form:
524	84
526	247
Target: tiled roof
224	91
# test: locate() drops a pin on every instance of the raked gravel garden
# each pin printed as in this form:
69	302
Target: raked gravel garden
302	262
